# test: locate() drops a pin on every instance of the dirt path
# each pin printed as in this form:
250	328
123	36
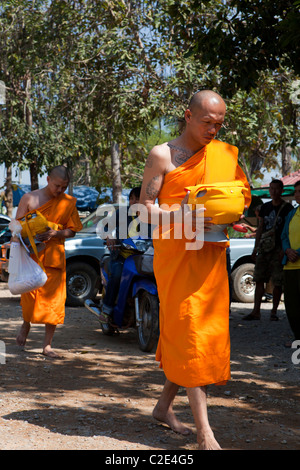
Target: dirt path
100	395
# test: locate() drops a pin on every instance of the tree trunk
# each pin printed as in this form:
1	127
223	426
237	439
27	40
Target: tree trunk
87	173
9	191
116	171
286	159
246	171
28	119
288	114
71	182
34	176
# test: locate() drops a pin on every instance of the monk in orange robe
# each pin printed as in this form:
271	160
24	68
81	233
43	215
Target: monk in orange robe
194	343
46	305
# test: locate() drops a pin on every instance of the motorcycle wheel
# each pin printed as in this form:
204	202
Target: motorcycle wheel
148	330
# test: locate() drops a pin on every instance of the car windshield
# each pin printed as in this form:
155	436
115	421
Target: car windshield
91	221
4	221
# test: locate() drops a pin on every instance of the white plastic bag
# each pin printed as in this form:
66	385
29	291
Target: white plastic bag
15	227
25	274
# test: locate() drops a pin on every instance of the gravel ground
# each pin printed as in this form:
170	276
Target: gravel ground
100	394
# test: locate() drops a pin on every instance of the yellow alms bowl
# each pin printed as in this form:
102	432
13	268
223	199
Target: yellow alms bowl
224	202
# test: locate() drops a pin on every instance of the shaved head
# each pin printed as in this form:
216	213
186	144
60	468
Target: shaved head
58	180
199	99
61	172
204	117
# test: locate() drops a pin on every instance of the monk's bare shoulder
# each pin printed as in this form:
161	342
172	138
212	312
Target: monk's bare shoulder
169	155
156	167
28	202
159	157
35	199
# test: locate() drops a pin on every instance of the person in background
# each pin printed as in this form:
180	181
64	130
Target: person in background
117	258
291	266
268	264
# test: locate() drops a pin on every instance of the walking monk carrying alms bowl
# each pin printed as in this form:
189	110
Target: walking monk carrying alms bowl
46	305
194	342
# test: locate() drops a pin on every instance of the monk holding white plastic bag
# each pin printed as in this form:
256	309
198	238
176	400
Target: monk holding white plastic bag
25	274
46	305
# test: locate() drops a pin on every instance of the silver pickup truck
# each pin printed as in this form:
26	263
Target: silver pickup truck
85	250
242	269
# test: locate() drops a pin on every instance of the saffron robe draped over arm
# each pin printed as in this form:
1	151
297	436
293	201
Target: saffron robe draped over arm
47	304
194	342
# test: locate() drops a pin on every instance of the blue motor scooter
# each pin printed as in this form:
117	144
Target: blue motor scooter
137	303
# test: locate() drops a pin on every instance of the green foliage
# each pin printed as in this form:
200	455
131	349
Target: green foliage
240	37
237	48
84	74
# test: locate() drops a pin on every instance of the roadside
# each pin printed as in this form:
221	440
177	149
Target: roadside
100	395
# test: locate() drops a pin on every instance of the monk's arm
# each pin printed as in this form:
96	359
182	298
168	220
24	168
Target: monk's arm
65	233
23	206
154	173
51	233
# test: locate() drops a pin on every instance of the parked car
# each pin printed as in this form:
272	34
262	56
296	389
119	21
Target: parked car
83	255
85	250
5	234
242	269
4	221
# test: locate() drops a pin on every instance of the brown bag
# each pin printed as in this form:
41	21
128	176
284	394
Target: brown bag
268	239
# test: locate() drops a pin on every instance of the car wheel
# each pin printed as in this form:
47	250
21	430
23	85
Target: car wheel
149	326
243	286
82	283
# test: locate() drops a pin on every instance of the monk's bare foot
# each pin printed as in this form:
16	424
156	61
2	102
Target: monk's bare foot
206	440
49	352
170	419
23	333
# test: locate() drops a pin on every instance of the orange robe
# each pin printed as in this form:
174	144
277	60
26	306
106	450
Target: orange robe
194	342
47	304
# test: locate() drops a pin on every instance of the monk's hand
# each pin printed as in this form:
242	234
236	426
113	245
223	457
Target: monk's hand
47	235
193	219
